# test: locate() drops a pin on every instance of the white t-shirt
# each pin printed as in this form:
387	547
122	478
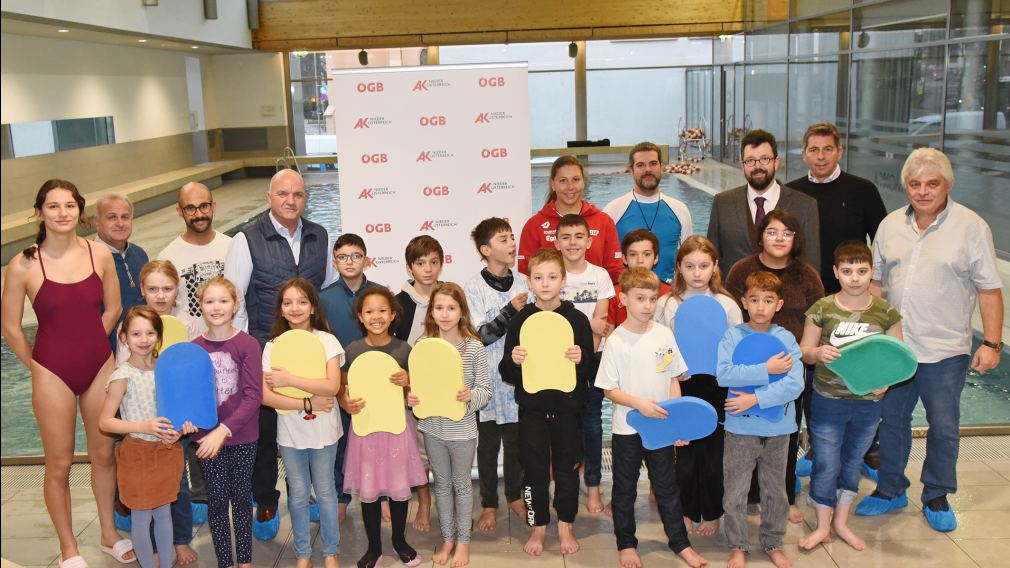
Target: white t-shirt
196	264
293	430
641	364
587	288
668	307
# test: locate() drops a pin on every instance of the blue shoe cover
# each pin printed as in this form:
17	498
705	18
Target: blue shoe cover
268	530
804	467
124	524
870	472
199	513
872	506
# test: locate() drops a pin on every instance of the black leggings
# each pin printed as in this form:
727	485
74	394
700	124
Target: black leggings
699	464
372	514
550	443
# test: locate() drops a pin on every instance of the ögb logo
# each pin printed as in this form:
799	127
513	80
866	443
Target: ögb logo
494	153
361	123
370	87
435	191
420	86
491	82
448	259
438	120
374	158
378	228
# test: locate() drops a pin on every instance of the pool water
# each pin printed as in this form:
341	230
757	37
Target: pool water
985	400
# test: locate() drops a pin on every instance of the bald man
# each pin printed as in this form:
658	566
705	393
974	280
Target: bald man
199	252
273	247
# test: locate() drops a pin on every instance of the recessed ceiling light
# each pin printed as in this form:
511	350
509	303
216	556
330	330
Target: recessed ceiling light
194	47
63	31
141	41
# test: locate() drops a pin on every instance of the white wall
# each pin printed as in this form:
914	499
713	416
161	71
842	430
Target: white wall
244	90
183	19
144	90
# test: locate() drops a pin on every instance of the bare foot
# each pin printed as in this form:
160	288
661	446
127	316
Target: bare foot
608	510
737	559
595	502
689	525
693	559
184	554
628	558
708	528
652	494
331	562
462	555
779	559
845	533
488	520
247	565
519	509
535	545
810	541
422	520
303	563
441	555
566	537
384	506
342	513
795	515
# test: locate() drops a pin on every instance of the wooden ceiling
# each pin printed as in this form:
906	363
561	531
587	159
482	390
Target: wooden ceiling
290	25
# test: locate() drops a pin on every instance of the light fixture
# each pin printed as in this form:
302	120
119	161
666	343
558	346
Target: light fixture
63	30
862	40
194	47
573	50
300	53
363	57
141	41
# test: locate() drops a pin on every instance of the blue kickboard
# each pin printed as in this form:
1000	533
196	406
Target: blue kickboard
756	349
689	418
184	383
699	325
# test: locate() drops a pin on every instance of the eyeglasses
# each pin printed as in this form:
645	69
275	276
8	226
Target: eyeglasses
202	208
751	162
774	234
353	257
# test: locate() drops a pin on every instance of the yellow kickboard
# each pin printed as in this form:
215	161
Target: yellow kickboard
173	331
436	375
301	354
546	336
368	378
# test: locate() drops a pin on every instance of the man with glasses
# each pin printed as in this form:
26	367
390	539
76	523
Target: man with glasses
270	249
737	212
850	207
200	251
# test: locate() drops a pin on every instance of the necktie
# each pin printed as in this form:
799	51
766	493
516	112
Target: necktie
759	213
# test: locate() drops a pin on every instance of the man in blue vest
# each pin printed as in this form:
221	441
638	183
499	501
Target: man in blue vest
270	249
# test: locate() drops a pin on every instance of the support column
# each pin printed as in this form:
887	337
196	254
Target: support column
432	55
581	129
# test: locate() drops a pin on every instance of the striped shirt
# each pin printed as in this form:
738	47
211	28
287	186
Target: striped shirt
475	376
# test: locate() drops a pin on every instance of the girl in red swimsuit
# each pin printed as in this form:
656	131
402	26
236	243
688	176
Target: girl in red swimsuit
75	294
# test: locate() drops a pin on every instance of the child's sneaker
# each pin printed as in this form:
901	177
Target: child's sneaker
877	504
199	513
939	515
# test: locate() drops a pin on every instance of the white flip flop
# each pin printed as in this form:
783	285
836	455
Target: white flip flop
118	551
73	562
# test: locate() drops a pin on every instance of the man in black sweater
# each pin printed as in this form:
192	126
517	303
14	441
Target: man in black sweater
849	207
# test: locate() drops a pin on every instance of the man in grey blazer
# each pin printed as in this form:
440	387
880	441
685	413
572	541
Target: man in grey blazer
737	212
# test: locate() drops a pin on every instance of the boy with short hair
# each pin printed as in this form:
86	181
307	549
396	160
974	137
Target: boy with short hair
495	296
425	257
550	432
750	439
350	257
641	366
589	287
842	424
640	249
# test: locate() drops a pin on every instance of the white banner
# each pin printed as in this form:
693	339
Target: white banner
431	151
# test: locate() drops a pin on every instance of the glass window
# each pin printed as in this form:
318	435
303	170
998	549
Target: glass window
801	8
814	96
978	17
818	35
768	43
540	56
632	105
648	53
766	96
552	109
898	24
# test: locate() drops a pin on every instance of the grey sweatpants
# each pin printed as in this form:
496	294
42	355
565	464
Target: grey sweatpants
741	455
451	461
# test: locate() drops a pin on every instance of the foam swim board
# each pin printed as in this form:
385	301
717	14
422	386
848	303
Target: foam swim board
184	386
698	326
873	363
368	378
688	418
436	375
546	336
172	331
756	349
301	354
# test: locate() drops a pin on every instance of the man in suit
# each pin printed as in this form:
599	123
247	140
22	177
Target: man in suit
737	212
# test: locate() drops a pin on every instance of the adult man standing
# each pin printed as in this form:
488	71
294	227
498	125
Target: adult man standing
114	225
645	207
736	213
850	207
270	249
199	252
932	260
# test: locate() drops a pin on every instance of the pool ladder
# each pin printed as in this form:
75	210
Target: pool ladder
286	160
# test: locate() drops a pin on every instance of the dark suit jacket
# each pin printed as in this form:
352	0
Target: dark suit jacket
731	228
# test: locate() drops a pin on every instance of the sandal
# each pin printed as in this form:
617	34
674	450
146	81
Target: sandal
118	551
73	562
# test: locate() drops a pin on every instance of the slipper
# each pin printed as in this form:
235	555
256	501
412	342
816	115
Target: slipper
118	551
73	562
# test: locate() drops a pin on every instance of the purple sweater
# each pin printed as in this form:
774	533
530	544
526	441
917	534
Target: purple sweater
238	376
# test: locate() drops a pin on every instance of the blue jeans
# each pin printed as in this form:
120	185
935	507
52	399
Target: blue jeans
592	437
338	468
841	430
939	385
310	470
